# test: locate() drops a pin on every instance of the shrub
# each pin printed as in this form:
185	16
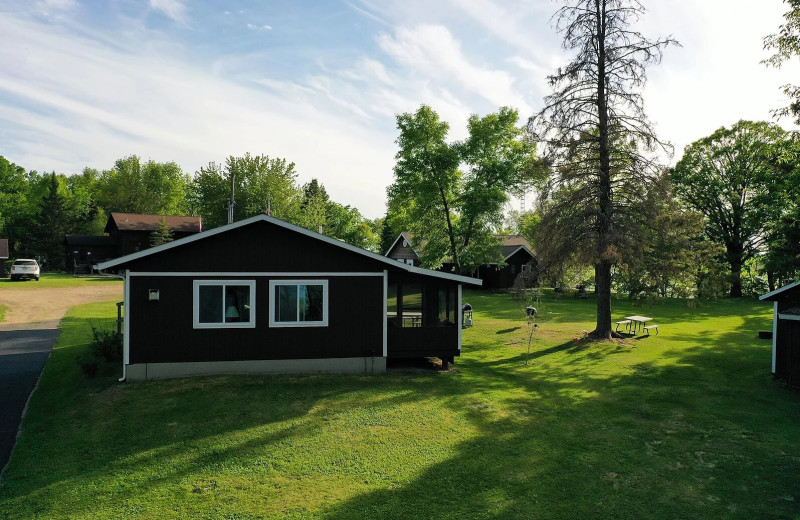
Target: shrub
106	344
105	347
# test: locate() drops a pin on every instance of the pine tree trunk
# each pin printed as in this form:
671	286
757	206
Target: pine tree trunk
602	270
602	281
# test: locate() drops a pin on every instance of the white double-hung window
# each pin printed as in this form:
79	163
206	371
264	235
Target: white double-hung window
222	304
298	303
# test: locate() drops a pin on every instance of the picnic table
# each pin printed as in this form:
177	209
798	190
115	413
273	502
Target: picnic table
634	323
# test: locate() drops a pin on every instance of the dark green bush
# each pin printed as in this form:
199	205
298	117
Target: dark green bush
106	344
104	349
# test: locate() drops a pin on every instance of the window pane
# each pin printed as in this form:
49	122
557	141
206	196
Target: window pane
286	298
210	304
391	305
412	305
447	307
310	303
237	303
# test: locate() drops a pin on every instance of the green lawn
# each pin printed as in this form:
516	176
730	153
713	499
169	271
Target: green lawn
3	312
48	280
685	425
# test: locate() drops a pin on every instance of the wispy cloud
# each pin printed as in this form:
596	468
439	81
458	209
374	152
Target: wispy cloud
138	100
432	51
174	9
57	5
259	27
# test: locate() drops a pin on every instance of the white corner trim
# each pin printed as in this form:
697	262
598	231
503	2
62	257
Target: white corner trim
126	321
196	284
774	335
273	301
460	318
385	313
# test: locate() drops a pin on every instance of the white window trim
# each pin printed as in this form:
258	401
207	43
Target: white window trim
272	302
223	325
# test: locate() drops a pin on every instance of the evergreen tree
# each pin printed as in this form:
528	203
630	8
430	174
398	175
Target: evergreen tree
162	234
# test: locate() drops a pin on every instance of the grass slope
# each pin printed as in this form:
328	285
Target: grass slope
54	280
688	424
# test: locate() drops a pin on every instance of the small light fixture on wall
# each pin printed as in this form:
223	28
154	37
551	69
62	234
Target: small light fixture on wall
152	295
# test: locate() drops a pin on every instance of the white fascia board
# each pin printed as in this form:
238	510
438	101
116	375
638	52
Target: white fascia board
270	274
446	276
393	244
778	291
245	222
514	252
403	236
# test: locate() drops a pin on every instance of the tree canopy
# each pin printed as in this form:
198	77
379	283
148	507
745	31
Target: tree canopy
452	212
786	44
730	177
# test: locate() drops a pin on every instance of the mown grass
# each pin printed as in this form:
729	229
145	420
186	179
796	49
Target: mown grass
687	424
3	309
55	280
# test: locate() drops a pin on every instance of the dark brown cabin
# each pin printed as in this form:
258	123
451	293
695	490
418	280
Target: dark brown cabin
516	254
3	256
83	252
786	333
133	232
127	233
265	296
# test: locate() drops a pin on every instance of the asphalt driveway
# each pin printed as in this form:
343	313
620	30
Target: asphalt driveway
23	354
27	336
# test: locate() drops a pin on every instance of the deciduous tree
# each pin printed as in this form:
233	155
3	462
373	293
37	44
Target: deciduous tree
135	187
259	181
452	213
786	45
729	177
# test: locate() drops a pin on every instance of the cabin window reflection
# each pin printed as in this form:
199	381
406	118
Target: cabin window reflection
412	305
447	307
391	305
404	305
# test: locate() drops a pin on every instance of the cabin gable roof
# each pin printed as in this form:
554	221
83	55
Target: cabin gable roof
771	296
145	222
259	244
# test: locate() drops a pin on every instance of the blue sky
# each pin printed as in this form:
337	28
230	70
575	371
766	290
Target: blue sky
319	82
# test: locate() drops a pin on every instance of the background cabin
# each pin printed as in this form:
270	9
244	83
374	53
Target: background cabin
3	256
515	251
786	333
127	233
133	232
84	252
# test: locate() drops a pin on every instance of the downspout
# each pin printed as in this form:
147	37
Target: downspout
125	305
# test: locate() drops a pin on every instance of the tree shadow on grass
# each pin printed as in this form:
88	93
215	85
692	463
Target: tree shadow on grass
649	444
671	437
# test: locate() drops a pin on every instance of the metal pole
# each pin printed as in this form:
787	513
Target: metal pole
231	202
